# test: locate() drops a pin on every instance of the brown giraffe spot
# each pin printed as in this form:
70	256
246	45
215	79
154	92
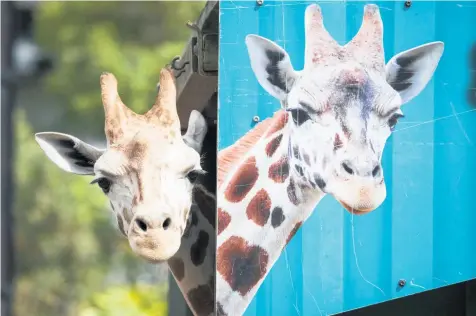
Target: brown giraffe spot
293	232
281	118
198	250
259	208
273	145
206	204
292	193
232	155
202	298
177	267
220	311
241	265
337	142
279	171
306	159
242	181
277	217
135	150
224	220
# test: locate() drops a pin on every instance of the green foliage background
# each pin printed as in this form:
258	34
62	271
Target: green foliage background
70	258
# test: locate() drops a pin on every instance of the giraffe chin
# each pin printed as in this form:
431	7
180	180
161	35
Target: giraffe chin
152	250
355	211
361	199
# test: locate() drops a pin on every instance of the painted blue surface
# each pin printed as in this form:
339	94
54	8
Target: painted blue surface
425	230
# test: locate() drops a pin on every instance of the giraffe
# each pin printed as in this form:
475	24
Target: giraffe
151	176
327	139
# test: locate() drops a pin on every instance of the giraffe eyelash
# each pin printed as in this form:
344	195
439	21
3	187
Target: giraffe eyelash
310	109
392	121
104	183
194	174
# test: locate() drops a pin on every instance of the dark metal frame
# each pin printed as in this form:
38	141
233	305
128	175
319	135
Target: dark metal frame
196	72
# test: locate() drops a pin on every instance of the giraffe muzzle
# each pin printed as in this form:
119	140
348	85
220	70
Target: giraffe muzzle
360	195
154	238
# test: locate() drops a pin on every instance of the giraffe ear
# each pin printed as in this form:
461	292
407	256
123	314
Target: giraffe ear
196	131
271	65
68	152
410	71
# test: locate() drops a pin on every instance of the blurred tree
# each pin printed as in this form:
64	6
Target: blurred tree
70	259
133	40
63	233
143	300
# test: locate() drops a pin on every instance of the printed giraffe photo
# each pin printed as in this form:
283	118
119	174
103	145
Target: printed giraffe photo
149	172
327	139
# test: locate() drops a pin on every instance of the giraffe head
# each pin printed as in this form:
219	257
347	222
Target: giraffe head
147	171
344	104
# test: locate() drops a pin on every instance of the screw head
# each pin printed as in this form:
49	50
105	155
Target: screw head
408	4
259	2
401	283
256	118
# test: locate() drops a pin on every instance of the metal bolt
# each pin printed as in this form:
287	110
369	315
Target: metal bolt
401	283
259	2
408	4
256	118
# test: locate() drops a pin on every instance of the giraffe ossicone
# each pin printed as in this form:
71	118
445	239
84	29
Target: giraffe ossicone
338	112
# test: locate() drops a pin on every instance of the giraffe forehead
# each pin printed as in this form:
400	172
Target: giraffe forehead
142	150
316	81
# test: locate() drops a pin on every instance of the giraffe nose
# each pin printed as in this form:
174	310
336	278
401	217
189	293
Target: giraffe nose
372	169
144	223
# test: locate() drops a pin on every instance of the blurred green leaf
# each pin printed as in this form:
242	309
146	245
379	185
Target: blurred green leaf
133	40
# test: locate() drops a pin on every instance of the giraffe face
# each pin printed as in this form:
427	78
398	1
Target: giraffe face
148	170
344	104
340	123
149	182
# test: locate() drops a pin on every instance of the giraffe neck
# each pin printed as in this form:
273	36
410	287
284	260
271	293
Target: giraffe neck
262	204
193	266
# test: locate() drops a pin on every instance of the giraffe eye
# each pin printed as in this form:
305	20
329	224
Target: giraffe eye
103	183
393	120
299	116
193	175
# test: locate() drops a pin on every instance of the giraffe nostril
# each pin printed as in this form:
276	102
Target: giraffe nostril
141	224
166	223
347	168
376	171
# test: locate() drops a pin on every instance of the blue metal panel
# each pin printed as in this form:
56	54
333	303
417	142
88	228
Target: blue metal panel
424	231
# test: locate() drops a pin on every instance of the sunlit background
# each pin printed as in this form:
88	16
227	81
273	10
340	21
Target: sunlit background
70	259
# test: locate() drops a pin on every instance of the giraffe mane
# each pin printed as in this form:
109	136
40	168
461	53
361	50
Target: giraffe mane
231	155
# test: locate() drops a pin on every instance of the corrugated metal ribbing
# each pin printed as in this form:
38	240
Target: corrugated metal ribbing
424	231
